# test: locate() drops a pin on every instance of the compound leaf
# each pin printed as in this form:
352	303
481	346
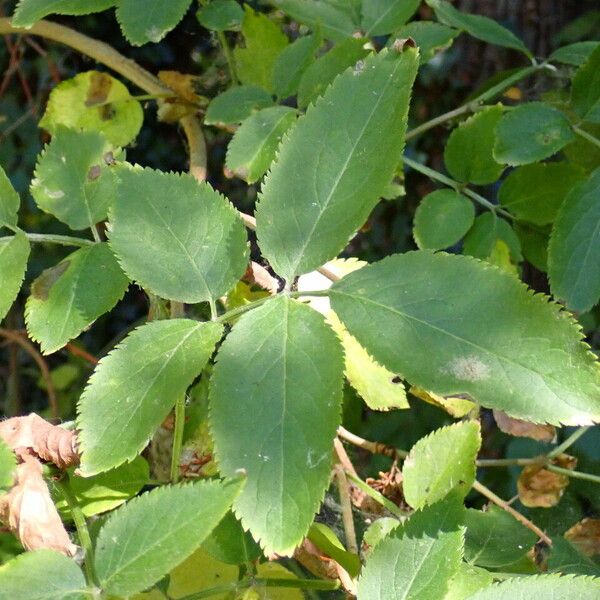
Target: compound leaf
70	296
143	540
144	21
176	237
274	409
574	247
441	462
532	364
73	180
94	101
134	387
42	575
335	163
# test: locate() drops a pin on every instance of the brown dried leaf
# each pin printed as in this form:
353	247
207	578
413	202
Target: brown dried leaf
185	86
539	487
585	535
50	442
519	428
29	512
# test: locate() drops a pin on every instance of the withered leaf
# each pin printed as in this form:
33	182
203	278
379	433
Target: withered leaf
585	535
541	488
520	428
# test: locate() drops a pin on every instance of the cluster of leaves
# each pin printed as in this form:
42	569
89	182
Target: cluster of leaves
322	121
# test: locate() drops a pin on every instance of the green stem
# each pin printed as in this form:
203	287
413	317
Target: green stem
509	462
83	533
574	474
236	586
214	314
379	498
177	438
63	240
585	135
229	57
569	441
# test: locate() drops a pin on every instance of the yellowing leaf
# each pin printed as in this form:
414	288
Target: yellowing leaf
454	406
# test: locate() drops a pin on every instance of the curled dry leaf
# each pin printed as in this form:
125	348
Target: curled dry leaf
586	536
49	442
29	512
520	428
541	488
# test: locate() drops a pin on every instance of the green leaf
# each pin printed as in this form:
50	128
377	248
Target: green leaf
430	37
236	104
531	132
105	491
264	41
334	165
69	297
291	64
574	247
255	143
319	75
143	540
94	101
531	364
9	201
134	387
565	558
380	17
325	540
14	252
484	235
73	180
335	20
30	11
176	237
275	406
535	192
574	54
221	15
378	387
8	464
42	575
468	153
144	21
538	587
585	92
418	559
441	462
479	27
535	245
467	581
442	219
494	538
230	544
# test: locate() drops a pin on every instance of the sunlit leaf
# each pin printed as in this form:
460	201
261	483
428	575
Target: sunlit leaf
14	252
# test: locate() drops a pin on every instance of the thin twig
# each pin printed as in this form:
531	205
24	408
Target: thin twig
346	504
569	441
573	474
484	491
41	363
81	352
372	447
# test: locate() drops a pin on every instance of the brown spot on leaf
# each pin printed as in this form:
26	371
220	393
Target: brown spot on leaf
100	85
40	288
94	172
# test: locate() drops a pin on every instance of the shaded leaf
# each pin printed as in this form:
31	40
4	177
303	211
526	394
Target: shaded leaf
236	104
531	132
264	41
255	143
9	201
94	101
14	252
520	428
430	37
438	305
574	54
28	12
274	412
585	92
8	464
566	558
221	15
146	538
42	575
441	462
175	236
468	153
133	389
574	247
535	192
320	74
380	17
487	230
332	179
442	218
292	62
68	298
537	486
144	21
